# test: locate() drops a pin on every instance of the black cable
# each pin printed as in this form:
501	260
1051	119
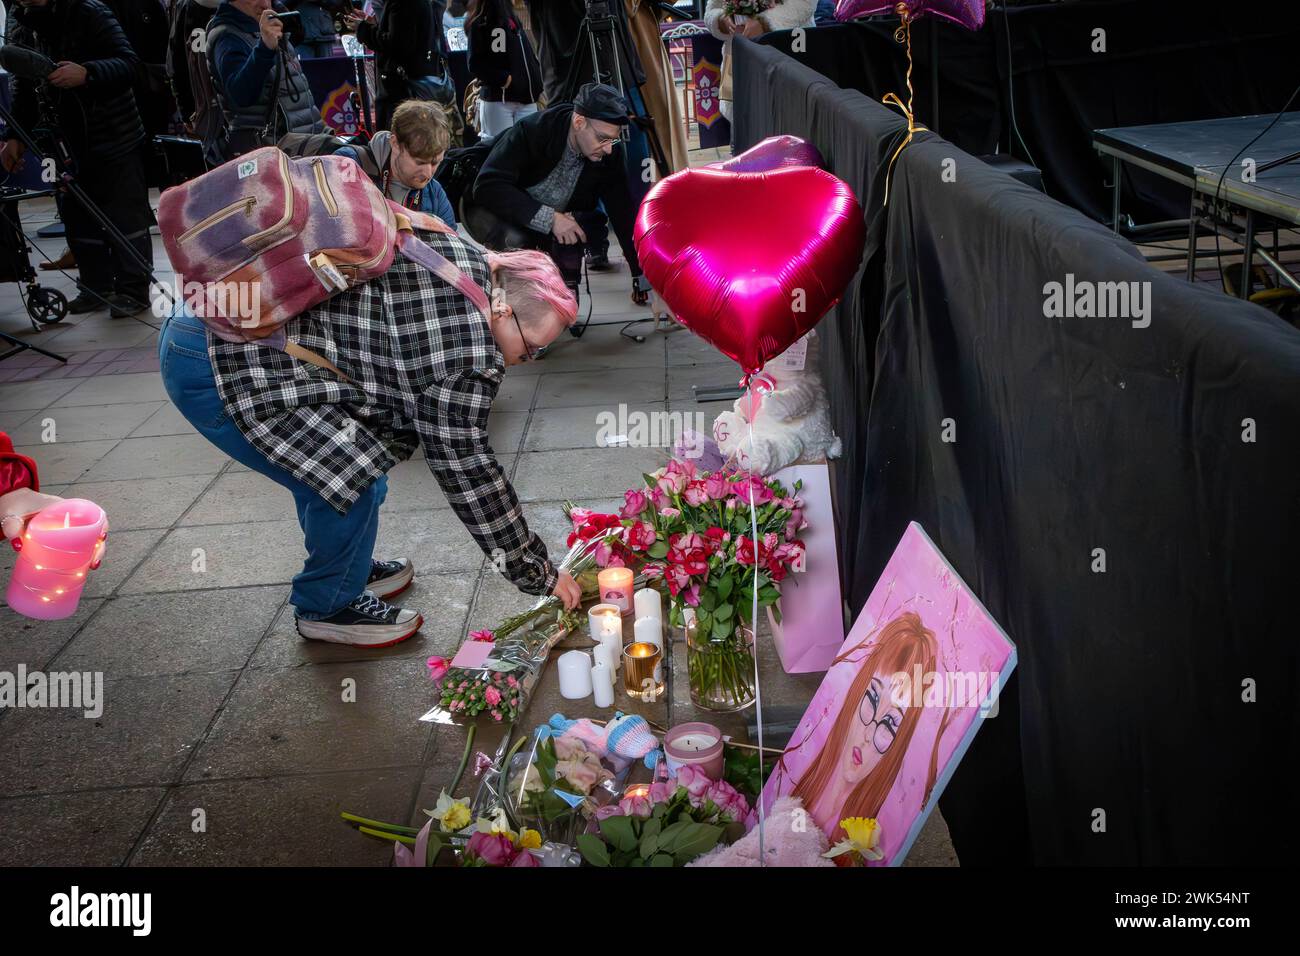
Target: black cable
1218	252
1011	92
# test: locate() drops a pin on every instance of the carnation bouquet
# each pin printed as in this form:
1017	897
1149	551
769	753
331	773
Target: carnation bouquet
747	8
721	543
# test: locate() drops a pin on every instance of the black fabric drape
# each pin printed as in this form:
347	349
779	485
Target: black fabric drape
1072	435
1164	61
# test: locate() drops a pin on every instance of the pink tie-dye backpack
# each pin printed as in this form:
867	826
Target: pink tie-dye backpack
265	237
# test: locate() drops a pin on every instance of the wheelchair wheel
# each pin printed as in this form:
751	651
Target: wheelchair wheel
46	306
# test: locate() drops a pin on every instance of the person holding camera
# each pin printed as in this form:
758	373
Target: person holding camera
93	107
501	58
402	161
258	77
409	46
540	185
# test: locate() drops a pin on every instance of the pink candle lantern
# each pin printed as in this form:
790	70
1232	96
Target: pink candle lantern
60	545
616	589
695	743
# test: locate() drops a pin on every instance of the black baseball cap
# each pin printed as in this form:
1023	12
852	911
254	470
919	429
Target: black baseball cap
600	101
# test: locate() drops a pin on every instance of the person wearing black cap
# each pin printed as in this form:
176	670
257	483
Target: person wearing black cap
540	185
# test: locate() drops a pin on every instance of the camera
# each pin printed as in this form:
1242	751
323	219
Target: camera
292	22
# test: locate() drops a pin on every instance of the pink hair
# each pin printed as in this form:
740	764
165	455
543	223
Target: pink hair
533	285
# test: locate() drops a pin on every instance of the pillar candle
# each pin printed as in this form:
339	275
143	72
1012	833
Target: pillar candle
575	675
59	546
648	603
605	654
602	684
650	630
616	588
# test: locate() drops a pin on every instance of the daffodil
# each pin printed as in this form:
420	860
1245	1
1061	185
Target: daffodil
530	840
452	815
862	834
497	823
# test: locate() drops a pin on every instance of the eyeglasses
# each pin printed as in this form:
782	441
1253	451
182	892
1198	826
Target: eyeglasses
886	727
530	354
606	140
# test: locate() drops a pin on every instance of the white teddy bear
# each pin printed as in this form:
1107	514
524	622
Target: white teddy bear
792	424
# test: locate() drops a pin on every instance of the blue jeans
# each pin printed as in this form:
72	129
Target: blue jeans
339	547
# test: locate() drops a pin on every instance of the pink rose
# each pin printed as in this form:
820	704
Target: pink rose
640	536
669	513
485	636
695	494
752	485
492	696
794	524
728	800
525	859
512	681
494	849
672	484
608	810
634	502
438	667
679	466
635	806
694	780
662	792
717	487
496	715
579	517
691	595
605	556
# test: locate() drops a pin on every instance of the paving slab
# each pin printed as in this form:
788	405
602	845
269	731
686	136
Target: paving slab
97	828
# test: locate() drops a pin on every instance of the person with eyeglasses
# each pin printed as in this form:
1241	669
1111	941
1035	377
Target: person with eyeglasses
420	367
542	184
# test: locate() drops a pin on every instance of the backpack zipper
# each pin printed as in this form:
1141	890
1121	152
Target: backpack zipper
323	187
288	203
223	213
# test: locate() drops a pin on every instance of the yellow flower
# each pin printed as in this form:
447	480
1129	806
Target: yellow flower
530	840
455	818
863	832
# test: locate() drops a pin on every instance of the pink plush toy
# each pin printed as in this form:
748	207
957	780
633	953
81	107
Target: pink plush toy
784	843
625	738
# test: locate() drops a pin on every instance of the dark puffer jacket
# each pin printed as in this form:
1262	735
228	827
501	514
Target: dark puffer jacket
99	119
566	62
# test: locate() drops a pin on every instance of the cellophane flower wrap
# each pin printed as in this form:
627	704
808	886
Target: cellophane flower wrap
498	690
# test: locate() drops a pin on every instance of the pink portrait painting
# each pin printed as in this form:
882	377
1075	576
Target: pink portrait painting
917	675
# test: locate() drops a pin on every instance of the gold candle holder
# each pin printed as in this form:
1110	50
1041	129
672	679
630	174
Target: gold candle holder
643	677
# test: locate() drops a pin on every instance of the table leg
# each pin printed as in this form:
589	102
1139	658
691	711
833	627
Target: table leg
1247	254
1114	206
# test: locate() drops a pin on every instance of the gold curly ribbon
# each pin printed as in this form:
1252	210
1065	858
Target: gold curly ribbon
902	35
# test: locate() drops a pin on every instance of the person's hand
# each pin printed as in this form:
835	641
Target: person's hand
11	157
752	28
568	591
271	27
508	79
17	507
566	229
352	20
67	75
726	25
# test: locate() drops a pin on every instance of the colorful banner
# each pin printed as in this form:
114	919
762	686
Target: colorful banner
706	71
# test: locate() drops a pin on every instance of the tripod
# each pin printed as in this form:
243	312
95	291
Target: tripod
610	50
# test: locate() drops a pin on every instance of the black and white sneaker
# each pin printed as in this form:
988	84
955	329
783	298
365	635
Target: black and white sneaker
366	622
390	578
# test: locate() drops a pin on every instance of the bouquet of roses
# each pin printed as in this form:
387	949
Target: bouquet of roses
671	825
521	646
716	540
747	8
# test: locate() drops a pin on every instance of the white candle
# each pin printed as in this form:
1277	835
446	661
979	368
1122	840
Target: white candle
575	675
650	631
648	604
605	621
602	683
695	742
606	655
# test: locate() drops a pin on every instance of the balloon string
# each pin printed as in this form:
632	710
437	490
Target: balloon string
902	35
753	622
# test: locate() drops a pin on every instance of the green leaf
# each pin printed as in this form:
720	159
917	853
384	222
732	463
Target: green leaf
721	629
649	844
593	849
723	613
619	831
661	859
698	838
658	550
724	586
708	600
671	834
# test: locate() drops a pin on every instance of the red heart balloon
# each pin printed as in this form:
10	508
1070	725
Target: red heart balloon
773	153
750	261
